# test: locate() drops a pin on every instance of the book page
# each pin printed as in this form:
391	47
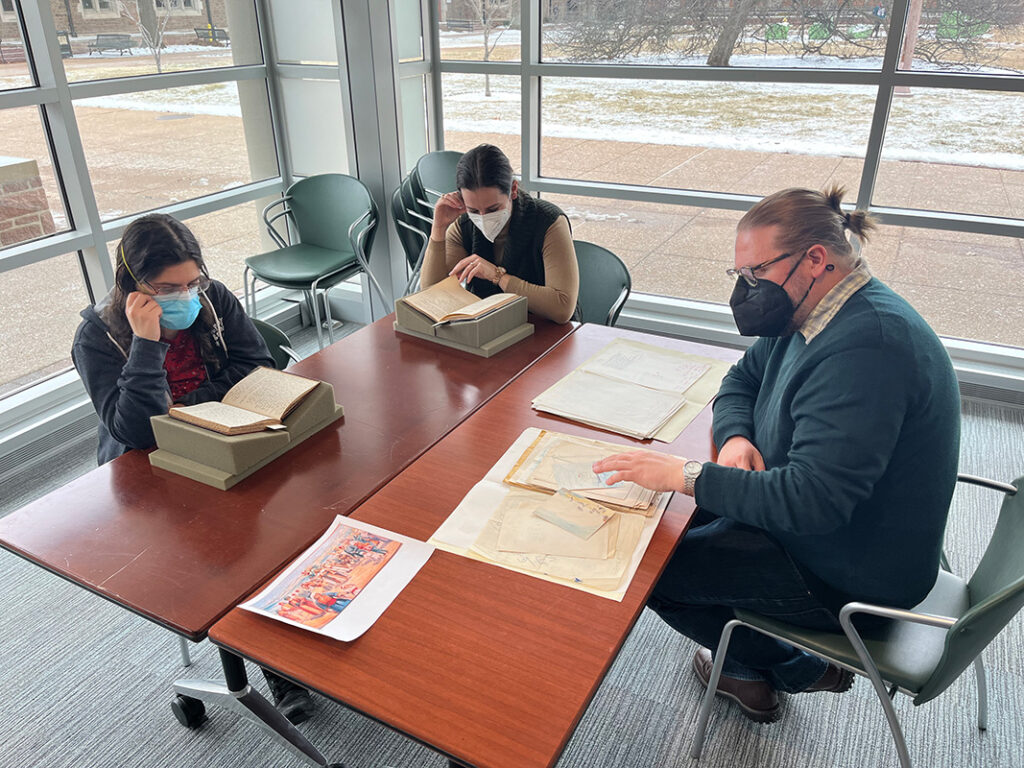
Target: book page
272	393
441	299
481	307
219	413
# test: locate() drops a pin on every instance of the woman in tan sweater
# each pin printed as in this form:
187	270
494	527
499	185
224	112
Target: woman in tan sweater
496	238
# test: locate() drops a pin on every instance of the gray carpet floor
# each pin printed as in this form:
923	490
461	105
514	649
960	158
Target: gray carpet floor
87	684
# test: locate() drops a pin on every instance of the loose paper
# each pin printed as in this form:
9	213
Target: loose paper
575	514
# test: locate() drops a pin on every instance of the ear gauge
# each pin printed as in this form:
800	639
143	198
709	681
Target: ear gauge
830	267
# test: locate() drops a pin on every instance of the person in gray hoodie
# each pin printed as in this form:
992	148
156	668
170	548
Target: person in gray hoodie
166	334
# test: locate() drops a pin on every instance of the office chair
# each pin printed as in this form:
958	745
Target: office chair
334	218
278	343
604	283
923	650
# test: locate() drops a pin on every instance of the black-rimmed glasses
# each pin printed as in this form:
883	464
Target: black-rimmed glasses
749	273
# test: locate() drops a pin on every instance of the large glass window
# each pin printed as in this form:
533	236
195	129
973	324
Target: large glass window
482	108
14	69
479	30
31	204
729	137
304	31
123	39
828	33
959	35
152	148
954	150
39	306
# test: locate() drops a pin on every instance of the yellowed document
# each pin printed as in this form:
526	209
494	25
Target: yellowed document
522	531
580	516
223	414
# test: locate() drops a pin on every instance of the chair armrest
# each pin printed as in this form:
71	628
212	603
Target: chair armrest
617	306
269	221
292	354
984	482
414	230
899	614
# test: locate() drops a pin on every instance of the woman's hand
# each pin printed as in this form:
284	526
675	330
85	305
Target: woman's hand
475	266
447	209
143	315
741	453
656	471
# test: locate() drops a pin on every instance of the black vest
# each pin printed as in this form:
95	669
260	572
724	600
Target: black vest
524	244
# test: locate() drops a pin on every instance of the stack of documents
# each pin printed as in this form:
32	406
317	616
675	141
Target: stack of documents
522	516
635	389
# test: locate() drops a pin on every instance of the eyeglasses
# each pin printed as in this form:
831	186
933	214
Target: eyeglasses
201	283
749	273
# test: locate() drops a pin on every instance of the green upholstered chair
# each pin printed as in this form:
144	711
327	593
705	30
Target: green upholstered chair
604	283
278	343
411	233
923	650
333	218
433	176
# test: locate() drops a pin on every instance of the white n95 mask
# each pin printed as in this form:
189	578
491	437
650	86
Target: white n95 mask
491	224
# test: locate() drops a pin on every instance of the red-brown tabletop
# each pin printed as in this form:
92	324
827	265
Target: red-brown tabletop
490	667
182	554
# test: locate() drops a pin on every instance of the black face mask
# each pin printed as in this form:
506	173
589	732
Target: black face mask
764	309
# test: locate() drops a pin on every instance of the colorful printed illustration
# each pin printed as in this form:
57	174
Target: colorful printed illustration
330	577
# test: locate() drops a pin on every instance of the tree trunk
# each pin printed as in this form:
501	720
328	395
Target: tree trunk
148	20
721	53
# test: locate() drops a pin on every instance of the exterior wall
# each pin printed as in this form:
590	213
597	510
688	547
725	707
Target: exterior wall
24	210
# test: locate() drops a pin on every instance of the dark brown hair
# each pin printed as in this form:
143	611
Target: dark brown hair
484	166
148	246
806	217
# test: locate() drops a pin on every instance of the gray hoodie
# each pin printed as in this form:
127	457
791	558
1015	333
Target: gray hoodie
128	386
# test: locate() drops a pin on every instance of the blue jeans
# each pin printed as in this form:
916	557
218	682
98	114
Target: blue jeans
721	565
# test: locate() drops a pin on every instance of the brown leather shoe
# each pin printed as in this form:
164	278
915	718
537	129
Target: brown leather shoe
756	698
835	680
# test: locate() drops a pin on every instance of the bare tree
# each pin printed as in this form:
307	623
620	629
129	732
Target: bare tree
151	28
494	17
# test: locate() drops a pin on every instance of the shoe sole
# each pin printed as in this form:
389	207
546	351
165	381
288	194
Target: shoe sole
845	683
757	715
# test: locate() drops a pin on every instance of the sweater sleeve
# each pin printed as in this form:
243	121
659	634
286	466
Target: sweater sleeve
124	393
734	403
556	299
441	258
847	418
246	349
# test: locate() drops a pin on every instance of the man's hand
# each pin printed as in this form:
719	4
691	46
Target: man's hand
740	452
143	315
656	471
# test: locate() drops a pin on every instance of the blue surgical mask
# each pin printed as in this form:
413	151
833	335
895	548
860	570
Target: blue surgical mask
179	310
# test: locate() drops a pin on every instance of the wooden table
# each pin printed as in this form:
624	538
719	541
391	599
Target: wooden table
487	666
182	554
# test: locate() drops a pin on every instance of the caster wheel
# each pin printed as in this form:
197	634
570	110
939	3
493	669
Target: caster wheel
190	712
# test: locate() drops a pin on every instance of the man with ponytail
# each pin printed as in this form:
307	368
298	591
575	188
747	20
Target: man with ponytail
839	435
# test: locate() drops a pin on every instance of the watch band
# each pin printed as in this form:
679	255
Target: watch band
691	471
501	273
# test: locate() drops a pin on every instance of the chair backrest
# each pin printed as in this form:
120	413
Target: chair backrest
411	243
604	283
323	208
435	171
275	339
408	190
996	592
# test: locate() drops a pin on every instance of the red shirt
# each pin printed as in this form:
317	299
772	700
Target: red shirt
184	365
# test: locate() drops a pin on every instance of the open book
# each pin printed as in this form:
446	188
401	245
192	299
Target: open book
448	301
259	401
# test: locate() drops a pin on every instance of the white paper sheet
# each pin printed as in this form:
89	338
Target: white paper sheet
372	600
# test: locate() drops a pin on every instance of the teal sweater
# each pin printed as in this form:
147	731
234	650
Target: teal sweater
860	431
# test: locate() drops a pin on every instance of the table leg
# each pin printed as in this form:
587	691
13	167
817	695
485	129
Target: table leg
238	696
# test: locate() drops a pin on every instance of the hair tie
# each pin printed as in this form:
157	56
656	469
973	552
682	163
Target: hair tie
846	220
125	261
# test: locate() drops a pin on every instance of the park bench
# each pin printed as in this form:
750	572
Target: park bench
460	25
212	34
111	42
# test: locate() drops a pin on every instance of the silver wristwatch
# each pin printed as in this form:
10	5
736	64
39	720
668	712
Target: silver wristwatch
691	471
